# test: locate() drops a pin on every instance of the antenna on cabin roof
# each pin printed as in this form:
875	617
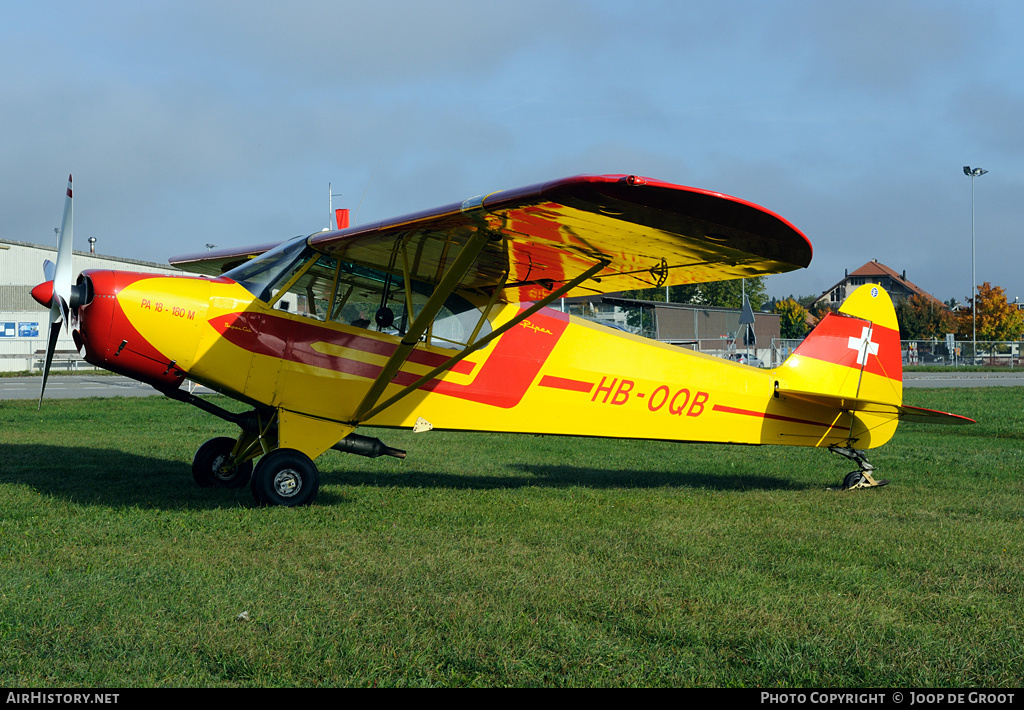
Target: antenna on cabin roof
332	214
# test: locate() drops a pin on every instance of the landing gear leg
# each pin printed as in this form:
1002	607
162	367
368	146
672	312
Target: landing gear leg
856	479
224	462
216	465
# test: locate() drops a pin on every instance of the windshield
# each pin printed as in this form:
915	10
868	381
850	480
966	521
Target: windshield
271	269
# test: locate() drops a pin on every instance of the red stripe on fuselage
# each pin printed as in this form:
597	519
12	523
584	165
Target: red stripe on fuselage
564	383
514	363
294	340
777	417
508	372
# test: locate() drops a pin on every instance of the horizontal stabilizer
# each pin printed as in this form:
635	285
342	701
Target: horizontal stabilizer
931	416
903	412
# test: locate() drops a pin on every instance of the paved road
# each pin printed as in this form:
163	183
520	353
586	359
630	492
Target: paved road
58	387
964	379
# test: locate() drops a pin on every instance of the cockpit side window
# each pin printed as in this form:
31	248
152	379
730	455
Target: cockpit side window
293	277
368	298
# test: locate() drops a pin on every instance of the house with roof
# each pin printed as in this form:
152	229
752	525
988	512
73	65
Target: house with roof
873	272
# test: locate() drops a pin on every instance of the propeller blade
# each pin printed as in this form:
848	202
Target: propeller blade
50	347
62	271
60	278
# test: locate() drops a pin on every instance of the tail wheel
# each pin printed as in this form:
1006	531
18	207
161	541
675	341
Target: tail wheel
285	477
211	469
853	479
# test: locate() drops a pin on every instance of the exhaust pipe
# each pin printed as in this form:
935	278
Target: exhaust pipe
366	446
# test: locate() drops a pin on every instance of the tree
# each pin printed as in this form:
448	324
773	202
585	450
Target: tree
806	301
922	318
793	321
998	319
646	294
729	294
823	309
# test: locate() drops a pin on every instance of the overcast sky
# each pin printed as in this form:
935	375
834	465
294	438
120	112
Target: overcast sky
188	123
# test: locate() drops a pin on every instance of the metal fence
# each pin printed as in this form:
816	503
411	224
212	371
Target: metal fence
930	353
1003	353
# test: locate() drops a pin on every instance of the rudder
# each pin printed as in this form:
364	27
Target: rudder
855	353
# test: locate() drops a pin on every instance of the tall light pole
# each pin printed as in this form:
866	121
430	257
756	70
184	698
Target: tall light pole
973	173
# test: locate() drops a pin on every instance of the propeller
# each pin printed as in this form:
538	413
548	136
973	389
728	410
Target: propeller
56	291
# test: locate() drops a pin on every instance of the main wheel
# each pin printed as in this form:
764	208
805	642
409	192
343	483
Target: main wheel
285	477
208	466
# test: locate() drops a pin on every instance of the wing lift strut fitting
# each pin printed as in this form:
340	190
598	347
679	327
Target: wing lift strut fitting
369	406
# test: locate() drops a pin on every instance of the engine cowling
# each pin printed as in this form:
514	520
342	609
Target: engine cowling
107	338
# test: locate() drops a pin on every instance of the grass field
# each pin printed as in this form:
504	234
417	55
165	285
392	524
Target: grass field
511	560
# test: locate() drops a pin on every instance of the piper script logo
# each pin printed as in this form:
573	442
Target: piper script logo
535	328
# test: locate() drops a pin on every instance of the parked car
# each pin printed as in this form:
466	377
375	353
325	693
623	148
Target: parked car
744	359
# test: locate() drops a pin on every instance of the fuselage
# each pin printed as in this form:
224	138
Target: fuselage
549	374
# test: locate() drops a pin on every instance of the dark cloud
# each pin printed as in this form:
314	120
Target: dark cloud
188	123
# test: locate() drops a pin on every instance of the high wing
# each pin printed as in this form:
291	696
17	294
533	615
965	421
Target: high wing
637	232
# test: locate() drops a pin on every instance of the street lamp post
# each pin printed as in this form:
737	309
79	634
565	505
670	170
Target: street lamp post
973	173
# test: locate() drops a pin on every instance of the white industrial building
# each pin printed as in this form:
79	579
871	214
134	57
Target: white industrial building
23	322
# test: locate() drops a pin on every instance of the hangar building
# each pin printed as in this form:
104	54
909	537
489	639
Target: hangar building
23	322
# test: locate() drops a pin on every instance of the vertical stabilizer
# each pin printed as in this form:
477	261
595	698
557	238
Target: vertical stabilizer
855	353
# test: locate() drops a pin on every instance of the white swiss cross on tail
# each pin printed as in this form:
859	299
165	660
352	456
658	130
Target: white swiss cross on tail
863	345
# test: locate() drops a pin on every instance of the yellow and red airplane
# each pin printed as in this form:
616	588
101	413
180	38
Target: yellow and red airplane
440	319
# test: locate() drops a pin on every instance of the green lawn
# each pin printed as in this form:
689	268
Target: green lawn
511	560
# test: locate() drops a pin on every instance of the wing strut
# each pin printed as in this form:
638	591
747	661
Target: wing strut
469	349
448	283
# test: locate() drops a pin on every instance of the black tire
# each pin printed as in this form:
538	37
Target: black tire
285	477
852	479
208	461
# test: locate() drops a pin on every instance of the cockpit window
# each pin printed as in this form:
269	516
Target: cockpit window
293	277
